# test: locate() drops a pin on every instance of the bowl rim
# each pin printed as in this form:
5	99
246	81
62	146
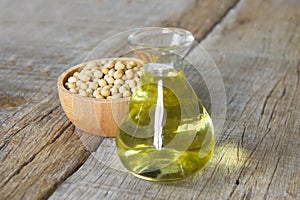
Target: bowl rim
66	74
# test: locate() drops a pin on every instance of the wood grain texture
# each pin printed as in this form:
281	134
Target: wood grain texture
257	49
39	147
201	17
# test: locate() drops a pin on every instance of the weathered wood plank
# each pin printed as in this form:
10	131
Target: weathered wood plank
39	148
257	51
201	17
257	48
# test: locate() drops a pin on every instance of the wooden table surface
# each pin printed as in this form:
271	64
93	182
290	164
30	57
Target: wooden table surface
256	45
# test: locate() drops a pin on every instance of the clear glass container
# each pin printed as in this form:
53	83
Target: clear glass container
166	134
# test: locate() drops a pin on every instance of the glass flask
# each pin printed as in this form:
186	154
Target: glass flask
166	134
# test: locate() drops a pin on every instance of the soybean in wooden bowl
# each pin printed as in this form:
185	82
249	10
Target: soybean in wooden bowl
95	102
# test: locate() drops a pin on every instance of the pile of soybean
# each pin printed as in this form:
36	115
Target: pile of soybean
106	79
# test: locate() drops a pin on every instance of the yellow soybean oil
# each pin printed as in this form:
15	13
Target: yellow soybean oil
166	134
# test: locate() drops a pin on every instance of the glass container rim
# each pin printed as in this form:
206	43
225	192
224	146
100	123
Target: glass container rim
188	37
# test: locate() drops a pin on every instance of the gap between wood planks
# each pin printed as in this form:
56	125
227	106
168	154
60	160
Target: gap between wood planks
233	7
187	19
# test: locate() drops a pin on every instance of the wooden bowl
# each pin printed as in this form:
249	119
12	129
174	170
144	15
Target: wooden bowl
94	116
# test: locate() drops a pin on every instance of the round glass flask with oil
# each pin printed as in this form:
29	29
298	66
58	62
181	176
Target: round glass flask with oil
166	133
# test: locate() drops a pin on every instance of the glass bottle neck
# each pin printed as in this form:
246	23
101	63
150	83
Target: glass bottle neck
159	62
161	49
161	69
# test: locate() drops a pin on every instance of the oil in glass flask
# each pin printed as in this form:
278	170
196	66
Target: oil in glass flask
166	134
